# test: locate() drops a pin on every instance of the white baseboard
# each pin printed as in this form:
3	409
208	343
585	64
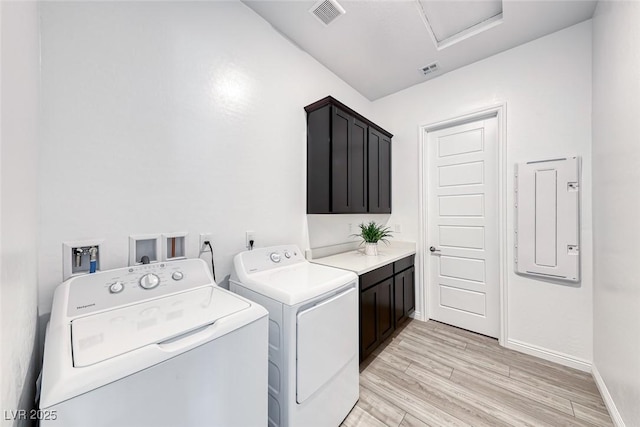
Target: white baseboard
552	356
418	316
606	396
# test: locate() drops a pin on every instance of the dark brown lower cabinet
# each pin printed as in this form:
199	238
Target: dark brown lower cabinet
385	309
368	322
387	298
410	291
376	315
404	294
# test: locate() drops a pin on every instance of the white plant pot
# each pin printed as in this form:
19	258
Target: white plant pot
371	249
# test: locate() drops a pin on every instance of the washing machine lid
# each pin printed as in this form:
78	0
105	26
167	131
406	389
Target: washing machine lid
299	282
101	336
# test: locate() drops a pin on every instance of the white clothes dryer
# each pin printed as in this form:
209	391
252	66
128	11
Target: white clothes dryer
313	334
154	345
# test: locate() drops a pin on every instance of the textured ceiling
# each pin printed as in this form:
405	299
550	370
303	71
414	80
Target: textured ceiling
378	46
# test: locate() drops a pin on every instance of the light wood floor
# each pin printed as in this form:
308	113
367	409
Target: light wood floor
432	374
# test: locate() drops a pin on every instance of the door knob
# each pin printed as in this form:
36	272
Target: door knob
434	250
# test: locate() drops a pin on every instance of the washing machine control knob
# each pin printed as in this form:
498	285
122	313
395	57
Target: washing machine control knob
177	275
275	257
116	287
149	281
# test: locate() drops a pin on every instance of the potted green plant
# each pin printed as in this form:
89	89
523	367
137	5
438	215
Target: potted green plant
371	234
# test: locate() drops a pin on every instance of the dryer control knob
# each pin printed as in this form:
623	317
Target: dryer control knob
177	275
149	281
275	257
116	287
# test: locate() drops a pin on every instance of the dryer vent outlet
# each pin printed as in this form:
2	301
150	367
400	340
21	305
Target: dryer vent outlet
327	11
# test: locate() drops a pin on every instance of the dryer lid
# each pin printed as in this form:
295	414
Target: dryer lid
101	336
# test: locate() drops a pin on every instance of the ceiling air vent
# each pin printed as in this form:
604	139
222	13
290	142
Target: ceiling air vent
430	69
327	11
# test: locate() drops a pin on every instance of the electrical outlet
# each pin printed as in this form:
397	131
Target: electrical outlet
397	228
205	237
250	235
350	228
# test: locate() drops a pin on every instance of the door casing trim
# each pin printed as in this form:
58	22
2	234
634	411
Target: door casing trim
499	111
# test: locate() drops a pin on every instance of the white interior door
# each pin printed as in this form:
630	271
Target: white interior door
462	226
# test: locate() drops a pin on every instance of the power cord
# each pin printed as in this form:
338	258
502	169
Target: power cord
250	245
213	268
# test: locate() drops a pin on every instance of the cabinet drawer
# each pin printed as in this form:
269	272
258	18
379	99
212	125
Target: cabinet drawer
378	275
403	264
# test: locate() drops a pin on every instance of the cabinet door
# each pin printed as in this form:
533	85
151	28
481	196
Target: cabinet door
340	140
349	164
379	164
384	307
319	161
368	323
409	290
398	300
404	294
358	175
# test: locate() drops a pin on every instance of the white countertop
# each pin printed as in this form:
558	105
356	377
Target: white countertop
358	262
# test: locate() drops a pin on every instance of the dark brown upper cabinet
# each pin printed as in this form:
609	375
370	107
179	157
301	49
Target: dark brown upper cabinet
348	161
379	162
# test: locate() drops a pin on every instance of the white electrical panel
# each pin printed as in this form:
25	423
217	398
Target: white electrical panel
547	229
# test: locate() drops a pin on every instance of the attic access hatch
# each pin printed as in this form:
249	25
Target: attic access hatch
547	228
450	22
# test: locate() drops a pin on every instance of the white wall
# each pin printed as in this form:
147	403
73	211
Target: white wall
18	205
616	203
161	117
332	229
547	87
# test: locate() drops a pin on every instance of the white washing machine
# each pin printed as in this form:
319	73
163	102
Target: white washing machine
154	345
313	334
